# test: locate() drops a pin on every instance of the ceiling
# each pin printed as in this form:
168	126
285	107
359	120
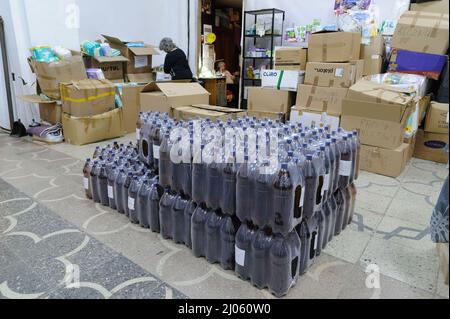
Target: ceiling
229	3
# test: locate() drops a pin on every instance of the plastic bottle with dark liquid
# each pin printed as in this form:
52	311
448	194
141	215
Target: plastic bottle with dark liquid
308	231
357	149
340	214
332	202
311	176
198	231
186	169
260	256
165	214
112	175
156	136
320	218
86	176
213	242
165	164
326	232
118	186
142	204
229	181
228	230
264	198
244	192
283	200
124	193
199	179
327	179
284	263
243	256
188	212
337	156
214	186
102	185
347	207
145	144
178	219
93	181
154	199
345	163
135	185
176	182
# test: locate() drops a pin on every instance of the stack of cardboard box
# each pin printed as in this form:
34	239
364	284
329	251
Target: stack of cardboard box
332	67
380	113
291	59
420	43
373	55
89	111
269	103
433	137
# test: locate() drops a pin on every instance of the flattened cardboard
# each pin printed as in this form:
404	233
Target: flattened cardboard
164	96
431	147
425	32
308	118
334	47
321	99
437	118
86	130
291	59
88	97
131	107
231	113
340	75
49	111
187	113
385	162
50	75
269	100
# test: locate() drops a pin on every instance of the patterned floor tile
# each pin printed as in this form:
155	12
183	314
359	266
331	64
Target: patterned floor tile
349	245
20	282
365	221
372	202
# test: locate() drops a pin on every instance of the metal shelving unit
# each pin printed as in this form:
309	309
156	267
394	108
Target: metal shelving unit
271	38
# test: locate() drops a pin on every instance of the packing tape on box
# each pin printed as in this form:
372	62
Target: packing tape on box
324	106
280	80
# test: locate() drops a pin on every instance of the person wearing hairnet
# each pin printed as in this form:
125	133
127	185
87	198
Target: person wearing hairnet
176	63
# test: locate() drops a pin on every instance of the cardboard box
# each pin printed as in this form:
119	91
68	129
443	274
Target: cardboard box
163	96
429	65
140	59
50	75
230	112
377	46
260	115
373	65
131	106
86	130
425	32
411	141
113	67
424	104
431	147
291	59
269	100
437	6
321	99
359	69
383	161
281	80
49	110
373	55
437	118
308	118
340	75
88	97
334	47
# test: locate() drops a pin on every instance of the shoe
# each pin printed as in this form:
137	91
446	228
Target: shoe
18	129
51	135
35	124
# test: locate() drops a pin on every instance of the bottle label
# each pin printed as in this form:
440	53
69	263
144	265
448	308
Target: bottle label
138	134
86	183
345	168
156	152
302	197
110	192
316	240
240	256
326	183
131	203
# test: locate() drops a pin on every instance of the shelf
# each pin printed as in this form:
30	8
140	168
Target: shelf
265	11
252	79
264	36
257	58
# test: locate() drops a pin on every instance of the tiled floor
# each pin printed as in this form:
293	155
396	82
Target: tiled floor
46	224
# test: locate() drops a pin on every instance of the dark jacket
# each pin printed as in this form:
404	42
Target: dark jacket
176	64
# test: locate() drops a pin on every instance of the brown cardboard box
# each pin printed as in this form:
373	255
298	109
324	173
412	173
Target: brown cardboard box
140	59
437	118
425	32
373	56
50	75
86	130
291	59
113	67
424	104
186	113
438	6
88	97
340	75
379	124
231	113
411	141
49	110
164	96
321	99
131	106
318	119
260	115
431	147
334	47
269	100
359	67
383	161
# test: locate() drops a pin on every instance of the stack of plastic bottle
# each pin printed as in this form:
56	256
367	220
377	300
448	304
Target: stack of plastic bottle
268	225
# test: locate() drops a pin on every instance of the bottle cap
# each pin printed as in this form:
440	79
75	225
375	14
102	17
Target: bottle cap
309	157
284	166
